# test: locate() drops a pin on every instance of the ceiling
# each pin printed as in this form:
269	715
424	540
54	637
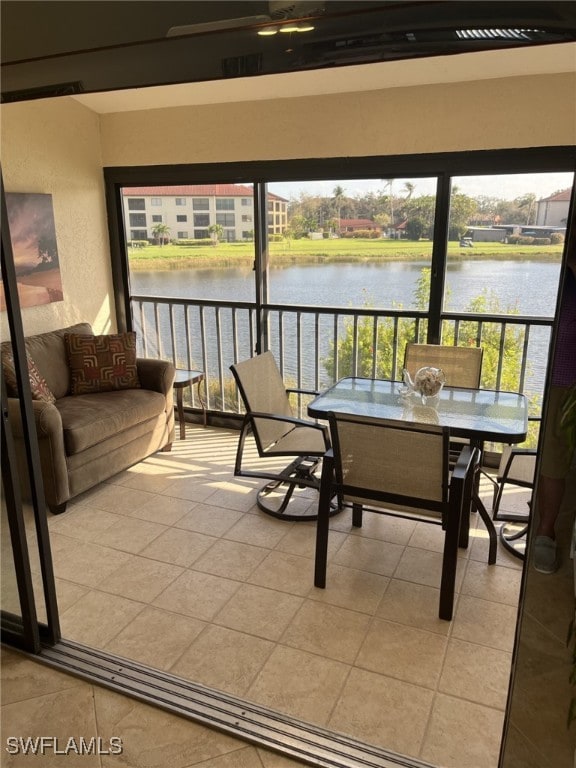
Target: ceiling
57	47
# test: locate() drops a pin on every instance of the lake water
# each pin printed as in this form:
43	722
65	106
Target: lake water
528	287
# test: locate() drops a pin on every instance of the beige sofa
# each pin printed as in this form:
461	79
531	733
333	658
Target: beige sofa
86	438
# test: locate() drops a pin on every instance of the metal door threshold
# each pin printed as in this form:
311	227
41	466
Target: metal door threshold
258	725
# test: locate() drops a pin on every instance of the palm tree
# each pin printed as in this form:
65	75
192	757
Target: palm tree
409	188
216	231
161	232
526	202
338	193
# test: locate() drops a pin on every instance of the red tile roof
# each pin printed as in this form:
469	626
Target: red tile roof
563	196
197	190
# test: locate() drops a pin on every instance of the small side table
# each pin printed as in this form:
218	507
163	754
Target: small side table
183	379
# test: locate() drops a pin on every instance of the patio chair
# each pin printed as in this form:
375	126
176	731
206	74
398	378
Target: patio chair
277	434
517	468
462	366
399	469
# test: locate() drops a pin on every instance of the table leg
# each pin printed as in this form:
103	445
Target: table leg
180	407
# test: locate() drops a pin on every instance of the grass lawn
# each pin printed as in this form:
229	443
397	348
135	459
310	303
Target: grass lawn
312	251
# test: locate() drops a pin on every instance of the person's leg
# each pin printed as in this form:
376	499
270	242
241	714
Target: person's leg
551	485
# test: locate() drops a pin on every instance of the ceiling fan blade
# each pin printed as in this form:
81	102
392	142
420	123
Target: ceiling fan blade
216	26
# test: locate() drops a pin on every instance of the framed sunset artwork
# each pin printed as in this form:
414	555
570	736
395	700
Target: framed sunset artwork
33	238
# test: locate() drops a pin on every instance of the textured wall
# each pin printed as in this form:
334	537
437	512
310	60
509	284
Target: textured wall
53	147
487	114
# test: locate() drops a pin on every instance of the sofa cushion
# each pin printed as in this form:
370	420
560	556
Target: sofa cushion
49	353
102	363
89	419
38	387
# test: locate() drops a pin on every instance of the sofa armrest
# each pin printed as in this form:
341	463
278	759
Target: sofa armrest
50	443
157	375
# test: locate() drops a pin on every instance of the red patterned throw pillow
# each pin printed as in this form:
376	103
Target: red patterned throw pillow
38	386
102	363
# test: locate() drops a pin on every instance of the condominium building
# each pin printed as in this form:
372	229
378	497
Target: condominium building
188	212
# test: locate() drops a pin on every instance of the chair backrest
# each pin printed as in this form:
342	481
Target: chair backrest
263	391
462	366
385	462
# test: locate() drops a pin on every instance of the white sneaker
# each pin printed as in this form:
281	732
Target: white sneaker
545	560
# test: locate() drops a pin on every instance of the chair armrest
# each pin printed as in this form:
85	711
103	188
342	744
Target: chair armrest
296	391
157	375
46	417
288	419
468	461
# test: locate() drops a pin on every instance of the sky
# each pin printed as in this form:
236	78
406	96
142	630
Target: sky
507	187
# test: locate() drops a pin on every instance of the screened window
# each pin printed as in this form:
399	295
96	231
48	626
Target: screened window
201	219
224	203
181	218
137	219
246	201
180	201
201	234
136	204
138	234
157	219
156	201
182	235
200	204
225	219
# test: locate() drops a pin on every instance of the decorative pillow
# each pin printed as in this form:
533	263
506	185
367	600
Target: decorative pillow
38	386
102	363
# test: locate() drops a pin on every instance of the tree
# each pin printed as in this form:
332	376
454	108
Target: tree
216	231
527	204
338	193
161	233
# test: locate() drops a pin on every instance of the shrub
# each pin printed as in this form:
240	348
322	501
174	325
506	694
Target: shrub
137	243
556	238
542	241
525	240
513	239
190	243
275	238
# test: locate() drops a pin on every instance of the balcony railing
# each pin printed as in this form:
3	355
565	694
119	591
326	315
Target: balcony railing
308	343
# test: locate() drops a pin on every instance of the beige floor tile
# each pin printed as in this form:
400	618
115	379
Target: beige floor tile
382	711
429	536
371	555
259	529
84	563
332	632
462	735
130	534
244	757
234	495
274	760
424	567
285	572
204	518
163	509
476	673
300	684
148	477
485	623
190	488
61	715
82	522
153	738
259	611
196	594
391	649
178	546
115	498
141	579
478	550
231	559
351	588
155	637
492	582
24	679
224	659
301	540
97	618
415	605
385	528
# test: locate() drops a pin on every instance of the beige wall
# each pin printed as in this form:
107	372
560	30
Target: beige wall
488	114
53	147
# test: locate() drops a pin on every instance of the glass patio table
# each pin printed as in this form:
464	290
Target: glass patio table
479	415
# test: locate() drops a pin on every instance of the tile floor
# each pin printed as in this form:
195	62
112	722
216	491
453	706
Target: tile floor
171	564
